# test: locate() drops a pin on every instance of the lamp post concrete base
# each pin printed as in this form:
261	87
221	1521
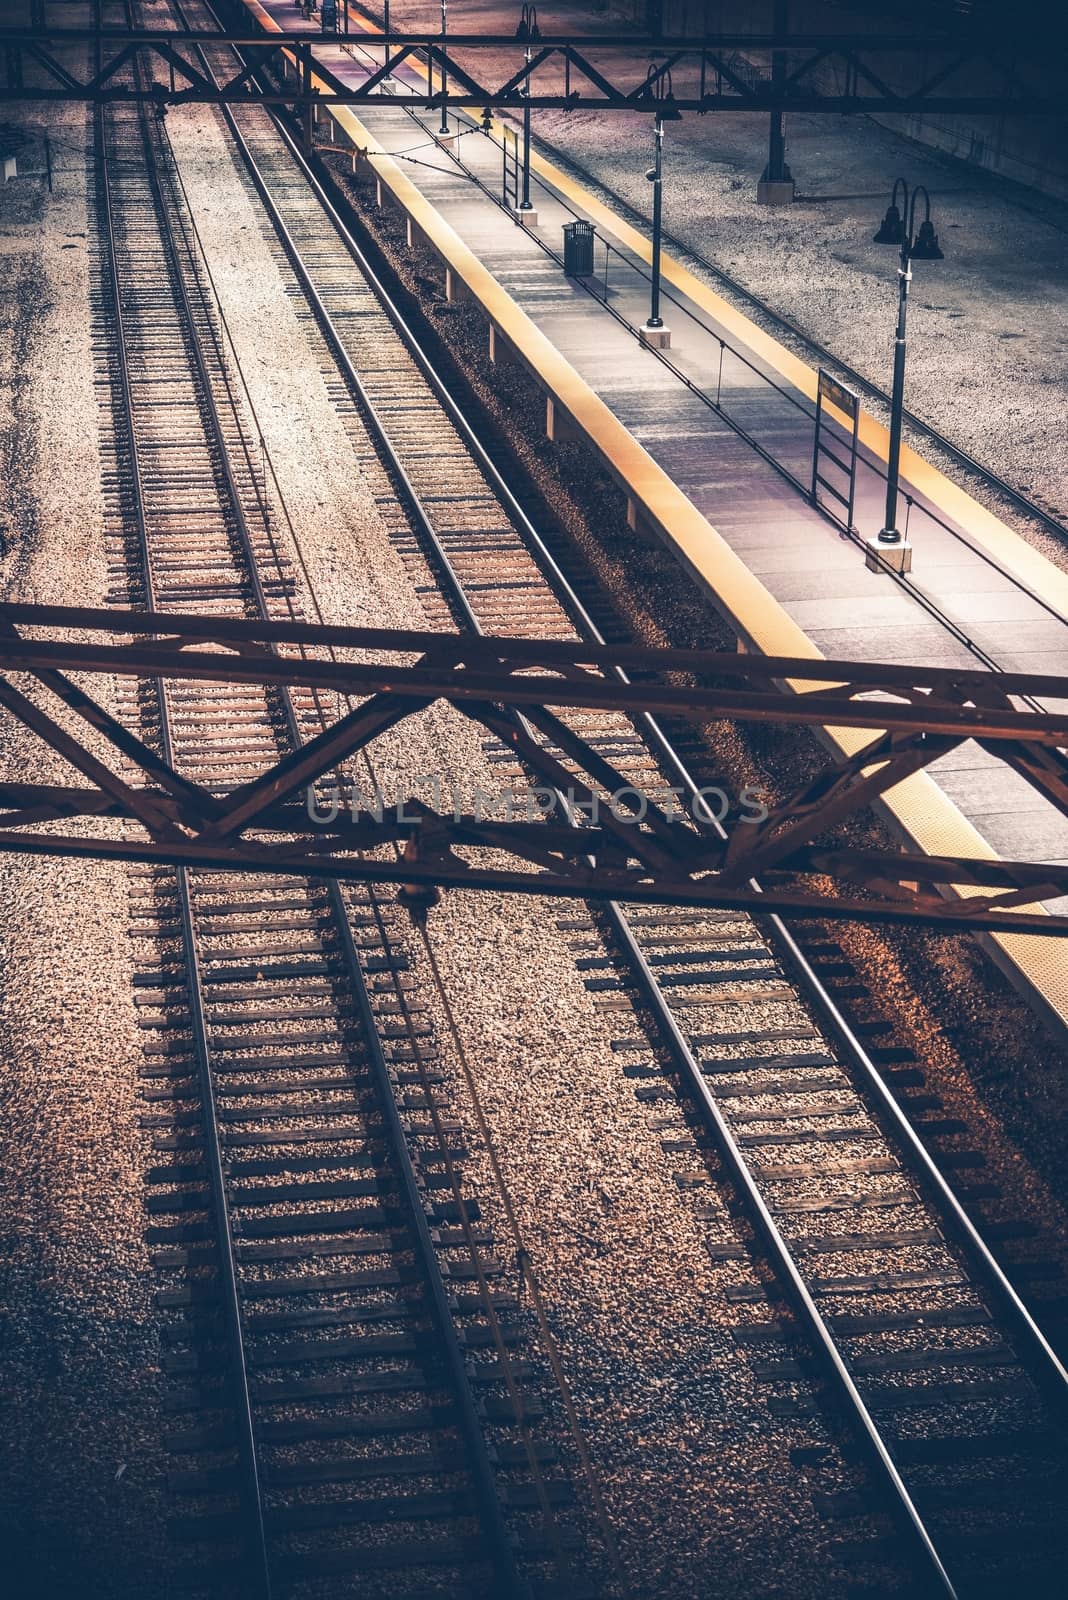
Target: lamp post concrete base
446	141
655	338
527	217
775	192
877	556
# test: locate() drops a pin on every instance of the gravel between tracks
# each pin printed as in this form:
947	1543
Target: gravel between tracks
80	1461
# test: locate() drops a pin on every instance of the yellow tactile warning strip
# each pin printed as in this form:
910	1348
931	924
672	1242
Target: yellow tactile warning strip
927	818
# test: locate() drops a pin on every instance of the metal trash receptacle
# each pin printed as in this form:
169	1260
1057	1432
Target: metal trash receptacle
578	249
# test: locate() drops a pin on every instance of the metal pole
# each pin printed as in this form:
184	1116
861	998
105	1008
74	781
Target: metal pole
305	81
655	319
889	534
385	20
525	203
776	170
444	34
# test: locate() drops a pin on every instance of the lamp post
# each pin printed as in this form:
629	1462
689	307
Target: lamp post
444	41
656	178
528	31
899	227
385	25
653	332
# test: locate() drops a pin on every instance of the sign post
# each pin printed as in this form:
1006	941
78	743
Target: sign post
830	392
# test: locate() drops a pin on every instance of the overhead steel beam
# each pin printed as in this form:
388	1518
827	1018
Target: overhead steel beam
630	844
947	73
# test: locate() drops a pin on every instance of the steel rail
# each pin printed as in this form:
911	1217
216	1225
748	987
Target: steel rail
1036	1350
1049	1370
500	1547
252	1490
1046	1359
511	1585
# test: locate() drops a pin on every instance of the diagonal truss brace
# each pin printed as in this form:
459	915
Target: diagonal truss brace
46	63
629	844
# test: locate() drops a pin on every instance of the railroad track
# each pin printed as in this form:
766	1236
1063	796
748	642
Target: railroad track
260	1005
953	1390
342	1353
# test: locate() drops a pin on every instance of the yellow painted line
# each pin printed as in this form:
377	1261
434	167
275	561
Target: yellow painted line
927	817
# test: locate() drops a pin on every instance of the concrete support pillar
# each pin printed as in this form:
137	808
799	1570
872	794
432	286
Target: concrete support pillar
500	351
640	525
456	290
558	425
379	192
776	186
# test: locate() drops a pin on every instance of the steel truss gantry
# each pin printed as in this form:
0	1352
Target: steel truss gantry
966	70
604	840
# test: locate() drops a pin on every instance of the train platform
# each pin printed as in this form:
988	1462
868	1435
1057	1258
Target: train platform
724	416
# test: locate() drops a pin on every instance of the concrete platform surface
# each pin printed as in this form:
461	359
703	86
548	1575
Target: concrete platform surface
730	421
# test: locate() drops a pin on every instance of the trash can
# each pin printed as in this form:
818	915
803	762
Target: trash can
578	249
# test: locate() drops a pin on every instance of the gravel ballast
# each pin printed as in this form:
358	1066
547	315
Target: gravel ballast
80	1464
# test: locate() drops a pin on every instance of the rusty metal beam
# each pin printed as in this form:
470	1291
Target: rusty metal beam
466	667
829	798
717	71
579	882
628	845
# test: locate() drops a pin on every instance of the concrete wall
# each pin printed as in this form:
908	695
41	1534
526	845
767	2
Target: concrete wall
1030	150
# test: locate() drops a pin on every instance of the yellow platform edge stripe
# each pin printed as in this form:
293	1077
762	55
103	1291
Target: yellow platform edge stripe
927	817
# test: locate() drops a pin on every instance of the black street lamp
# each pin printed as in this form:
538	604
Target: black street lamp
899	227
529	32
444	42
659	80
